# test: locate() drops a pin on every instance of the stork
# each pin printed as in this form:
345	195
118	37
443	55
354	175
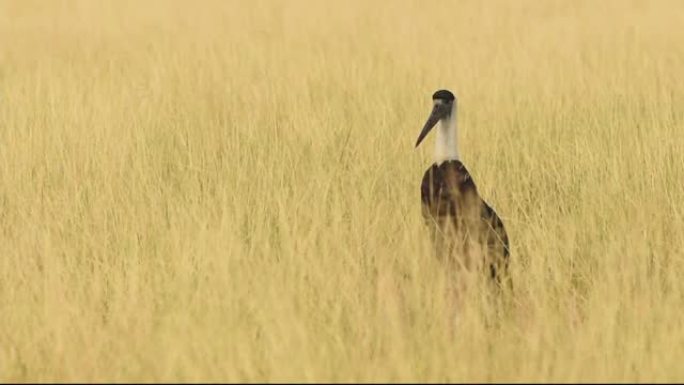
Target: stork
465	229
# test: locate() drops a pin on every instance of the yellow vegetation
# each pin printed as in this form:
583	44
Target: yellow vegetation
228	190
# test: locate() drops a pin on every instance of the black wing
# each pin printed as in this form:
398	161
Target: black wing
449	195
497	241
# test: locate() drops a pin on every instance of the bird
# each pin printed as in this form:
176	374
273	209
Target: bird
466	230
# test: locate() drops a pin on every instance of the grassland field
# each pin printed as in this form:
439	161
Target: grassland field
228	190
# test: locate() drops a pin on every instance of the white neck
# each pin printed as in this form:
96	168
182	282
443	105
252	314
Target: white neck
446	143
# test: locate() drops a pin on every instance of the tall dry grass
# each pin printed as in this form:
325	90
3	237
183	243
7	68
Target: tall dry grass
228	190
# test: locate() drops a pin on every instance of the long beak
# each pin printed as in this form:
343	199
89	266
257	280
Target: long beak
439	111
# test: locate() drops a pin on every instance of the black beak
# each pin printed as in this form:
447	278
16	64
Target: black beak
439	111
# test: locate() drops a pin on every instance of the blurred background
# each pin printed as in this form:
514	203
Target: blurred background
228	190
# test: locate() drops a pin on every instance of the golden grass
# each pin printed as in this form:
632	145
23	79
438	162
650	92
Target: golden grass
228	190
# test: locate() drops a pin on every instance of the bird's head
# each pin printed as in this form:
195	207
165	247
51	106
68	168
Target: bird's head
443	102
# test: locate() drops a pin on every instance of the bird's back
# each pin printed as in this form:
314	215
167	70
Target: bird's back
465	228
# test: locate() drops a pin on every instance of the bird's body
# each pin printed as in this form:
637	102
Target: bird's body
466	231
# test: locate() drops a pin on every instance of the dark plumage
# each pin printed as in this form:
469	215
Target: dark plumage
464	226
444	95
